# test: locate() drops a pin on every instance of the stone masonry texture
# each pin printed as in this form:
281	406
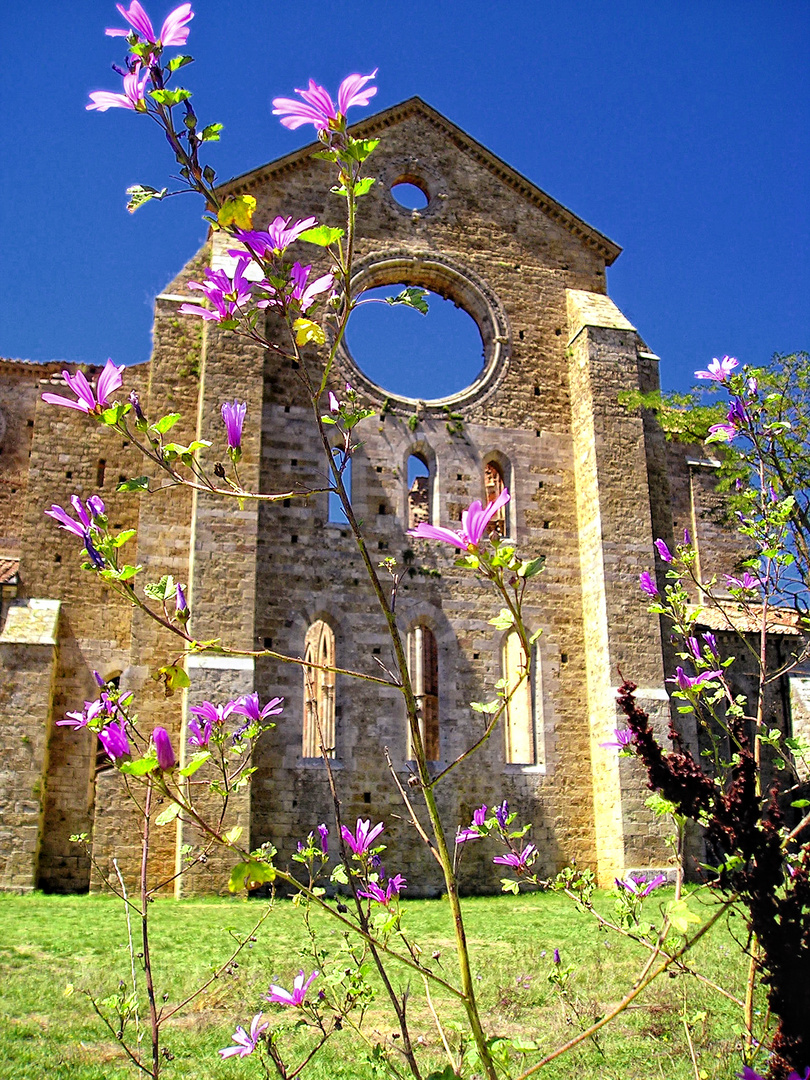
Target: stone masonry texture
592	486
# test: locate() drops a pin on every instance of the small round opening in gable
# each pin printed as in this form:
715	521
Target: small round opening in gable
410	195
413	355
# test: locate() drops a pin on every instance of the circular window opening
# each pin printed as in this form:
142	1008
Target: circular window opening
414	355
409	195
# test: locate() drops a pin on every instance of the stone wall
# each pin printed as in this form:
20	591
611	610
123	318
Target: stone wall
592	485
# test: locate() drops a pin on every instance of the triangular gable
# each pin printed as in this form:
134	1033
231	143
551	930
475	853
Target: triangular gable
415	106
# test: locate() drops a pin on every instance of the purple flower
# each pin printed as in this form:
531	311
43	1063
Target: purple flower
663	551
180	604
392	890
323	832
245	1042
210	715
515	860
502	814
86	519
275	240
88	402
233	416
687	539
114	739
718	370
317	106
132	97
473	832
686	682
639	886
711	641
647	584
225	293
747	582
556	956
693	645
752	386
163	749
623	739
361	840
474	522
92	710
279	996
334	404
297	290
724	432
173	32
199	736
248	706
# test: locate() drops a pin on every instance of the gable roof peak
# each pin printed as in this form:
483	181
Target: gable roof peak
417	106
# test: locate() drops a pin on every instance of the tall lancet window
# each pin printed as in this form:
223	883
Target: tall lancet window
319	691
423	668
494	484
520	727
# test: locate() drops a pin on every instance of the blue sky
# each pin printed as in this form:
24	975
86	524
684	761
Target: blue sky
679	128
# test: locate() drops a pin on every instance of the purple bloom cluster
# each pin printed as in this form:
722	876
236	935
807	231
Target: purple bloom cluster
718	370
473	831
114	740
519	861
86	401
227	294
317	107
384	896
279	996
638	885
474	522
647	584
205	718
245	1042
687	682
363	837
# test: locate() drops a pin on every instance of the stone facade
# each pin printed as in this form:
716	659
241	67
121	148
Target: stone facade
592	486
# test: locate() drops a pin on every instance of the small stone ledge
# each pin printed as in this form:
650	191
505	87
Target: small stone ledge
593	309
31	622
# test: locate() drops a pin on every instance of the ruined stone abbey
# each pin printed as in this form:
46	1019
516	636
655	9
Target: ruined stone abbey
592	484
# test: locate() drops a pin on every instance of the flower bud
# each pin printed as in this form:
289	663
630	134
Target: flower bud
163	748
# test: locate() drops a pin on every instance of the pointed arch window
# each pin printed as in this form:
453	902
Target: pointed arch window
520	728
419	491
494	483
423	668
319	691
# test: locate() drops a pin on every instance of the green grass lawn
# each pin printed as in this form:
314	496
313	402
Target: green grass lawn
47	943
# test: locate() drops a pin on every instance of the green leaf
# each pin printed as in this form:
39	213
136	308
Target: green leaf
127	572
359	149
195	762
141	767
250	874
485	706
531	567
232	835
165	422
322	235
412	297
504	620
237	210
364	186
509	886
170	98
165	589
177	62
122	537
210	133
142	193
167	815
307	331
116	412
137	483
680	916
801	804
